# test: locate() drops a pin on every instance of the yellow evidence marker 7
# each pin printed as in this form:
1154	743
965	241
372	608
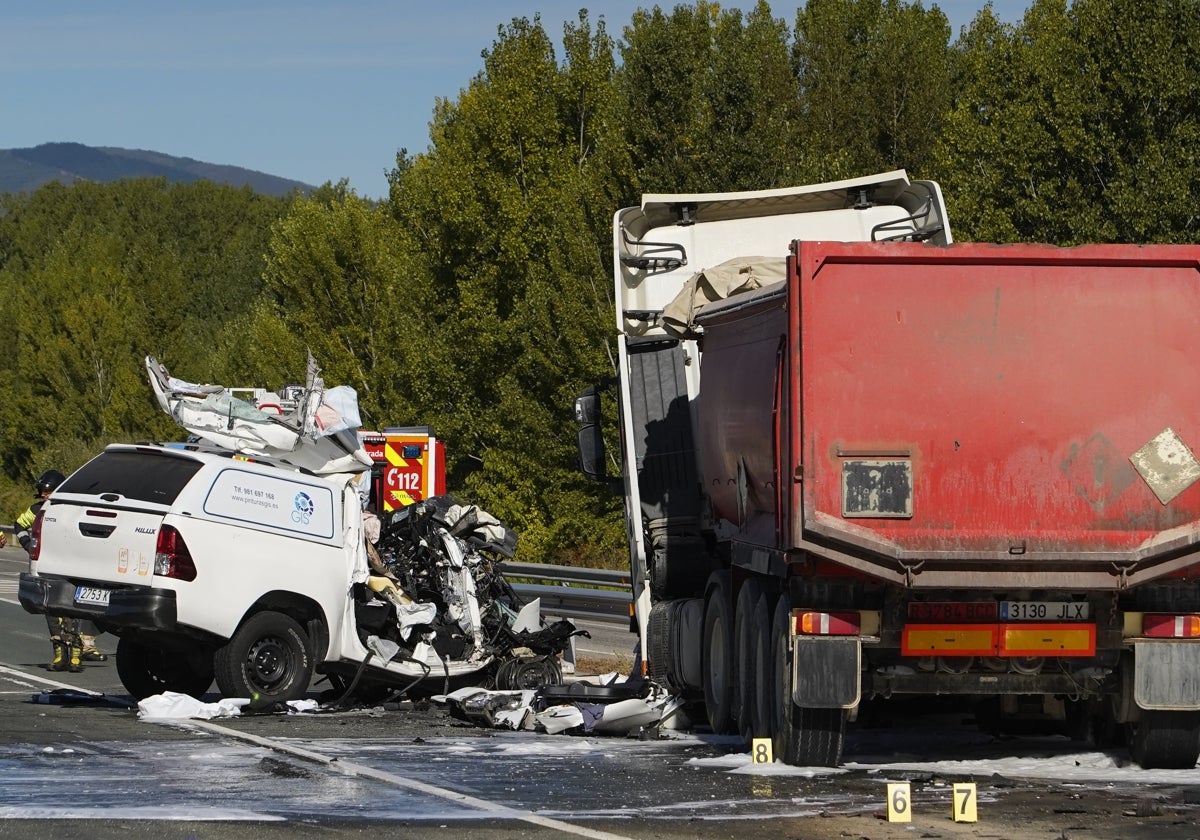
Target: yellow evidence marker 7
899	802
964	802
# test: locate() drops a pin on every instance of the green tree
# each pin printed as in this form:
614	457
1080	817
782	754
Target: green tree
96	276
709	99
345	286
875	83
510	208
1078	125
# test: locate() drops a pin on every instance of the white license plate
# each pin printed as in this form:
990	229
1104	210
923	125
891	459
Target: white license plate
1044	611
91	595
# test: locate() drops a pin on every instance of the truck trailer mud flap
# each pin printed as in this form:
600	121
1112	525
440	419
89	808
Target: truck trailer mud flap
825	672
1167	675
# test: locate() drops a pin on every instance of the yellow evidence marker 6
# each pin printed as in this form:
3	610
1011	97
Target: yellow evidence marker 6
964	802
899	802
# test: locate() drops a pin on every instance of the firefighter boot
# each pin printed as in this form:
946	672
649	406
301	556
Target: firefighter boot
91	653
58	662
76	660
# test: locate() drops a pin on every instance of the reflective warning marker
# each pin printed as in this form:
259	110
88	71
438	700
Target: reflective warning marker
964	802
899	802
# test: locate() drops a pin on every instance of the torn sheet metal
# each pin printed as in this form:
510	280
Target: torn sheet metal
438	601
319	434
618	708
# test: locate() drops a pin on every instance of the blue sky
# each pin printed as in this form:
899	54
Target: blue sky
314	91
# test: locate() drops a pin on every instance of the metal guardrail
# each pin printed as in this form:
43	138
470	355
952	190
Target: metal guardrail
568	592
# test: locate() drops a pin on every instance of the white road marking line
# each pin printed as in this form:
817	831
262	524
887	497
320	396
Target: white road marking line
41	682
353	769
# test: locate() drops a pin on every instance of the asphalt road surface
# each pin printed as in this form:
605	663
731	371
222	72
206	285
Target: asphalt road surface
91	769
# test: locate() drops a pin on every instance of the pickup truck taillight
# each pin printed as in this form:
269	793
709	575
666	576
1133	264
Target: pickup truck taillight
171	556
35	537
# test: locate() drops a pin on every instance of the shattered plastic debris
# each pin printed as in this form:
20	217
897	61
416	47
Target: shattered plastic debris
619	707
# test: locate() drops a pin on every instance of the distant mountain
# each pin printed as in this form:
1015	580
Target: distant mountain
24	170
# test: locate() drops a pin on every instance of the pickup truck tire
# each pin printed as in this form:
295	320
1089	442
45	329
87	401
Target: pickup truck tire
801	737
146	671
1166	740
268	660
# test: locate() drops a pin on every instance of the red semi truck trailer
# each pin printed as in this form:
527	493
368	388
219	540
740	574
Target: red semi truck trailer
861	461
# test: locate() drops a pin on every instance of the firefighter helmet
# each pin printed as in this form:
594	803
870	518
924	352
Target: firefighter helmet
48	481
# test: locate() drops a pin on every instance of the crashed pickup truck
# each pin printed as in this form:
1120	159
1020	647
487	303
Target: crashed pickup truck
246	556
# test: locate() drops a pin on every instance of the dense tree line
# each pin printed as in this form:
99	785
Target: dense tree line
476	298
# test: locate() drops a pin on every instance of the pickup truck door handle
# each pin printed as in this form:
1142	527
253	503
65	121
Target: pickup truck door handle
90	530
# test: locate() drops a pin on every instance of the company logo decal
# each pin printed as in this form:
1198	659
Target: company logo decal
303	508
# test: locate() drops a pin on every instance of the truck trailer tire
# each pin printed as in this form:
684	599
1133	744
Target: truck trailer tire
1166	740
267	660
762	708
752	660
802	737
146	671
717	655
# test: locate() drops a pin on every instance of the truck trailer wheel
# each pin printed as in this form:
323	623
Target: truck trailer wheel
268	660
1166	740
802	737
146	671
717	655
752	659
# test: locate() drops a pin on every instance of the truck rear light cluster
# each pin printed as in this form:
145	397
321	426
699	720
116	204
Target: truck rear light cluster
171	556
810	623
1158	626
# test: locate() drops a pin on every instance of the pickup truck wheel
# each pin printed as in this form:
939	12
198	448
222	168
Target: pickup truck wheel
1166	740
802	737
146	671
717	656
267	660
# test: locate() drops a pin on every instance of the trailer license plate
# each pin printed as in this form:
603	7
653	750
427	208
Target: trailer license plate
91	595
1044	611
951	611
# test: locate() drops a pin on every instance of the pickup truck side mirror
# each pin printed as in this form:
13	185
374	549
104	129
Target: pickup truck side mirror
590	438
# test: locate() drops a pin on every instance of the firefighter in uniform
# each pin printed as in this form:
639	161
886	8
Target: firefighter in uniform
74	640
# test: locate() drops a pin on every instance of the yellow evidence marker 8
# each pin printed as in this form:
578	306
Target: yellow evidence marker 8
760	751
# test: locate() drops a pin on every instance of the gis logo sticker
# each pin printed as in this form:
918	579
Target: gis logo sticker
304	507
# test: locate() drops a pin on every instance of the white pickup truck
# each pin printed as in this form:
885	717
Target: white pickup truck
247	562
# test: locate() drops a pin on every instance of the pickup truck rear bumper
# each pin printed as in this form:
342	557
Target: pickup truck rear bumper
142	608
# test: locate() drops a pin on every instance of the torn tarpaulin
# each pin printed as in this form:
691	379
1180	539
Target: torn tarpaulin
171	705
